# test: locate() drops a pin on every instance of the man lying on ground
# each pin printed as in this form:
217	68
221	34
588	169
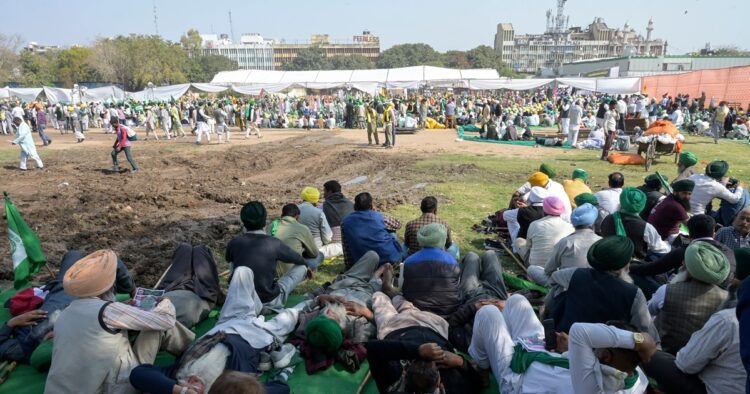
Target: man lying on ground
192	283
236	343
418	338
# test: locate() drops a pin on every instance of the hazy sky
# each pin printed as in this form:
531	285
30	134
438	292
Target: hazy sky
443	24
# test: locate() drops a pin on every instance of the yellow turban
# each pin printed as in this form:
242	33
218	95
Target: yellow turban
311	195
539	179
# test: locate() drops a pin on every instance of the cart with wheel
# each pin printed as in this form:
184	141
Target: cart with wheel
661	139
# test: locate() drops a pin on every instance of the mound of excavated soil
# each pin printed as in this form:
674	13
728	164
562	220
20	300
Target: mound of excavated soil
186	193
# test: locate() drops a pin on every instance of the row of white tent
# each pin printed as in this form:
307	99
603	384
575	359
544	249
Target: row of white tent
255	82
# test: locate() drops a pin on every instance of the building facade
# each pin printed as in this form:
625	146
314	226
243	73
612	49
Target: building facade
639	66
366	45
251	53
559	44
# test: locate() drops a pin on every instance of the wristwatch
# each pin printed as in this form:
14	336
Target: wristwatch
638	339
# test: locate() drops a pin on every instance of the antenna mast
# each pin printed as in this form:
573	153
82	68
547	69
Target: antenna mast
156	19
231	27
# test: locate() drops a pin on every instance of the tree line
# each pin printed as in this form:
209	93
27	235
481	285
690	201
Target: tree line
127	61
133	61
403	55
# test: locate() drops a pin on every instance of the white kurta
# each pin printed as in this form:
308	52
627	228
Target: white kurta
25	140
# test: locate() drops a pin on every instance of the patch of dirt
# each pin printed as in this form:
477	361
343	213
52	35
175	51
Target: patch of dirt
185	193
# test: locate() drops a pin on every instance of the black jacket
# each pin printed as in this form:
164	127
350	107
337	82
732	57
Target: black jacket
260	253
336	207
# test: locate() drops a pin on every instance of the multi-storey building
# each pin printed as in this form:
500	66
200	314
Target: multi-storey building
560	44
366	45
251	53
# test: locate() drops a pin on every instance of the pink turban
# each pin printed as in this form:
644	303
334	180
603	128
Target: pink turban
553	206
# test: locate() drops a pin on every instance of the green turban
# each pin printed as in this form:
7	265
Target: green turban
632	200
586	198
41	358
253	215
610	253
683	185
706	263
688	159
547	169
580	173
325	334
717	169
432	235
742	255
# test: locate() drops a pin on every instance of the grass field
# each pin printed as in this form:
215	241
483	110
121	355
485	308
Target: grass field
470	187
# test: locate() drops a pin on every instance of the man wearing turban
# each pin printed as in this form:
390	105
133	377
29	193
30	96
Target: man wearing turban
686	165
544	233
313	217
652	188
627	223
92	332
601	293
571	251
685	304
672	211
543	178
576	185
432	276
711	185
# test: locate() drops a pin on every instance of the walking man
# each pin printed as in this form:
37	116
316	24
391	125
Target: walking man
41	124
174	114
122	143
166	122
220	116
25	141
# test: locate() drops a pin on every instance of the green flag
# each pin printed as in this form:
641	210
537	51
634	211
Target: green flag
25	248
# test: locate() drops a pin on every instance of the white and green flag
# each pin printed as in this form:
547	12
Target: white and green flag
25	248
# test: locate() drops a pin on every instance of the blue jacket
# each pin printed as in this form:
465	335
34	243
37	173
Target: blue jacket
364	231
432	281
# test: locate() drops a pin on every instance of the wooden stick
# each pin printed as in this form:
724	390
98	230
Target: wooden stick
224	274
162	276
50	270
515	259
7	372
364	382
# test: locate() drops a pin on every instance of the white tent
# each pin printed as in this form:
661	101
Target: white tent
509	84
605	85
25	94
161	92
404	77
